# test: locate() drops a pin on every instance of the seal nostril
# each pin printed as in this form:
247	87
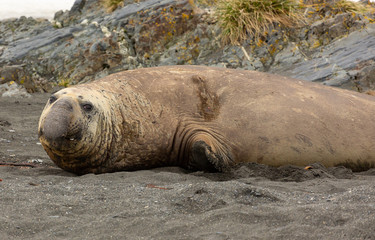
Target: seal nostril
56	124
62	105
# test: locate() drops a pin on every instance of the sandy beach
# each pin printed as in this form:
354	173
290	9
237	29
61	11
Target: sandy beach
40	201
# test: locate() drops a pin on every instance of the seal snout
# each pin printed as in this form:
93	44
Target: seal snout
56	128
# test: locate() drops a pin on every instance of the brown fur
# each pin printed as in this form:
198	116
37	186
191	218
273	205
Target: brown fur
208	118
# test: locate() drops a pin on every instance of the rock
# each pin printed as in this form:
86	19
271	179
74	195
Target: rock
23	47
13	90
10	73
135	8
290	55
155	29
77	7
12	30
332	28
364	75
88	42
338	78
18	74
346	53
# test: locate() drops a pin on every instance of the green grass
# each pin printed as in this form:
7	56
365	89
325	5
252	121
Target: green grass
243	19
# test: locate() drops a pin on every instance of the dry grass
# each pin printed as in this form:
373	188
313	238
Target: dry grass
349	6
241	19
338	6
206	2
325	9
112	5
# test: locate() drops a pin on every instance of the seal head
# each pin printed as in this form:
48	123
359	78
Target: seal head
68	130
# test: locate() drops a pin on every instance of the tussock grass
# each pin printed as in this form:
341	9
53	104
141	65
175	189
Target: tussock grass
346	6
338	6
206	2
330	8
112	5
241	19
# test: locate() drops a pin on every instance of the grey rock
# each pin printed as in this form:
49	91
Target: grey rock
91	43
10	73
58	14
11	90
12	30
338	78
17	74
345	53
132	9
21	48
364	75
290	55
98	46
77	6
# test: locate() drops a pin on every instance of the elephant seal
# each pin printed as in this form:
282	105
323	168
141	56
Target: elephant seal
205	118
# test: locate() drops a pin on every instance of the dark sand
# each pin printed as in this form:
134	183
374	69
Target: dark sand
251	202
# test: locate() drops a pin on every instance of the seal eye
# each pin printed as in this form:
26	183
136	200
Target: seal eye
52	99
87	107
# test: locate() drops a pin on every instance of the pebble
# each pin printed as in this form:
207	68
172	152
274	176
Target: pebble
35	160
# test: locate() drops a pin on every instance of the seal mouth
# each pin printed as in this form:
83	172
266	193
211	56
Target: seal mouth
58	130
68	162
60	144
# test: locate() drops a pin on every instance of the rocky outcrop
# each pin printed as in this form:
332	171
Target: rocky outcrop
347	62
87	42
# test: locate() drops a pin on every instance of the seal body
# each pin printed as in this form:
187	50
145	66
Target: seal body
205	118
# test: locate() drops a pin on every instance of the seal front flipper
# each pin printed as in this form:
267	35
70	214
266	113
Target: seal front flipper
202	158
200	145
206	157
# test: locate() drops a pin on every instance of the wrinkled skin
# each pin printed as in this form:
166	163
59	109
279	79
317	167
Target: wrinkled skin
205	118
